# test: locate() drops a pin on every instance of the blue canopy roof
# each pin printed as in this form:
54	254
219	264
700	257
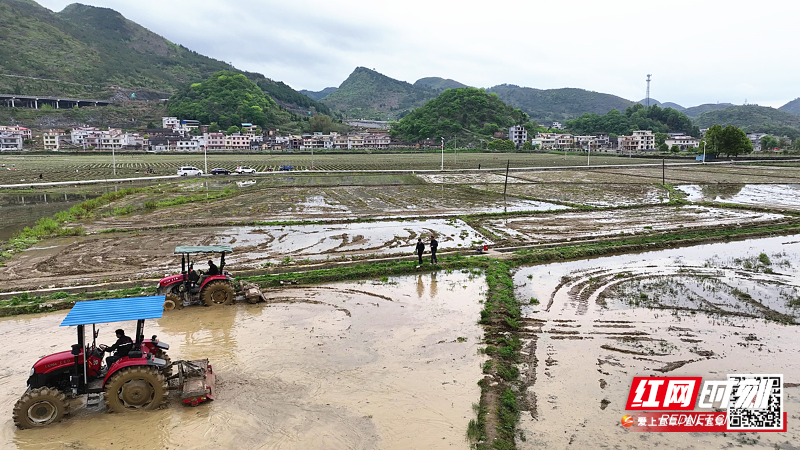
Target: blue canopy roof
115	310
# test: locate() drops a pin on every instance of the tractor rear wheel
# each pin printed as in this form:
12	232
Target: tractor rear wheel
217	293
172	301
136	388
40	407
161	354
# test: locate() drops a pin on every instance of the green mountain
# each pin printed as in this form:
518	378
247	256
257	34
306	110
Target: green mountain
96	52
438	84
792	107
636	117
753	119
653	101
226	98
318	95
466	113
696	111
367	94
558	104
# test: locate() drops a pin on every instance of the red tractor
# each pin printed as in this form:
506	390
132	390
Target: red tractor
138	381
196	287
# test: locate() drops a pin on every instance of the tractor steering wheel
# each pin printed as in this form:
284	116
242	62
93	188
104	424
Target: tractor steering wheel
102	347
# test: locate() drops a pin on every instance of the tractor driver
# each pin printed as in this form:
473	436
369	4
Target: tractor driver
122	347
212	268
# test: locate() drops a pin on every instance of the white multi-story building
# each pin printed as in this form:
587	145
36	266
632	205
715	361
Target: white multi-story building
237	142
52	140
755	139
639	141
170	122
186	145
518	135
682	141
557	126
10	141
214	141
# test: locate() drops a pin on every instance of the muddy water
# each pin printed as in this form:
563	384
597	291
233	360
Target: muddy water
580	224
772	195
23	210
591	341
320	241
339	366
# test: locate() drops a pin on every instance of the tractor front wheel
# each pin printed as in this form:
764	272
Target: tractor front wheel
40	407
136	388
217	293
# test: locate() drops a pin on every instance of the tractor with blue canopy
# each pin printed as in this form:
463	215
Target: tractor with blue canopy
138	380
209	288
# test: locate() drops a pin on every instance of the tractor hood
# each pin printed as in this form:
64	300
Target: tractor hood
170	280
56	361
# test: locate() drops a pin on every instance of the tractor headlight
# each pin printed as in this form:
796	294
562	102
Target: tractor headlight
33	371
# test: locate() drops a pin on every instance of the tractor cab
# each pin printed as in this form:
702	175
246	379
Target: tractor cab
136	381
196	286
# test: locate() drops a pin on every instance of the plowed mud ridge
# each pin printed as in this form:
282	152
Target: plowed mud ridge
350	366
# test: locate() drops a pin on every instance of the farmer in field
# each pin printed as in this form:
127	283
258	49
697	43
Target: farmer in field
420	250
434	246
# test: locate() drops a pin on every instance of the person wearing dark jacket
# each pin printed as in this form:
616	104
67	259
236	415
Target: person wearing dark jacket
212	268
122	347
420	250
434	246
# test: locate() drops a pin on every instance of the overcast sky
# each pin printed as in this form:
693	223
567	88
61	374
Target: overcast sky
703	51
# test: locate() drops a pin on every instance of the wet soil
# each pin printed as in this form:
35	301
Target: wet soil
613	337
764	195
358	366
568	226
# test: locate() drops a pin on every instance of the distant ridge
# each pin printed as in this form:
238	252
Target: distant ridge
438	84
318	95
367	94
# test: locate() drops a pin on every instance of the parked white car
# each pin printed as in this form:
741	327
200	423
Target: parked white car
244	169
189	171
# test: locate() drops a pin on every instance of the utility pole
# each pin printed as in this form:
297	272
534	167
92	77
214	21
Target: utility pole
454	151
113	160
588	153
663	169
505	187
648	90
205	156
442	154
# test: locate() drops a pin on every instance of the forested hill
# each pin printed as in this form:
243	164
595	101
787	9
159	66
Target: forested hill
318	95
438	84
792	107
367	94
558	104
96	52
467	112
695	111
753	119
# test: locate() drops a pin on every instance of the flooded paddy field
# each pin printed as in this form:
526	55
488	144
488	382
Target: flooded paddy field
701	174
709	311
254	203
784	196
352	365
572	225
123	256
594	194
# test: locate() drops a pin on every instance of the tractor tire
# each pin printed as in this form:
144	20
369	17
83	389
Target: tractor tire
161	354
137	388
40	407
217	293
172	301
